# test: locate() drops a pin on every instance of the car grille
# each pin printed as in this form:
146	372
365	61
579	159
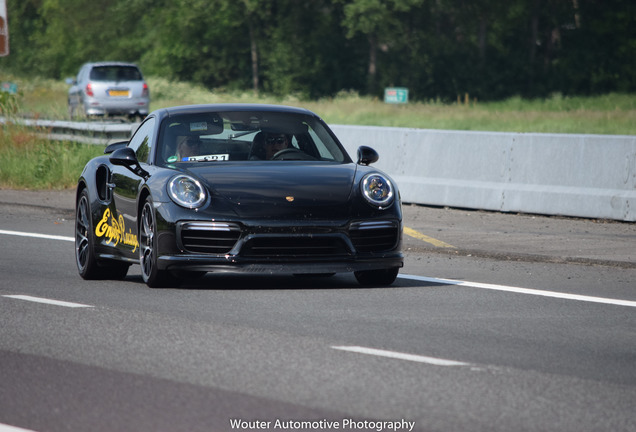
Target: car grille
297	246
220	238
209	237
374	236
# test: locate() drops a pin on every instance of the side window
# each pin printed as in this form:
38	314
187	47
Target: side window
142	141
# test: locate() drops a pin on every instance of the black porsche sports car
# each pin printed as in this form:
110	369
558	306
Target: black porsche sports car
236	188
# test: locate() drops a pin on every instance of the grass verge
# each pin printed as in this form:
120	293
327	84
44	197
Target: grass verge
31	162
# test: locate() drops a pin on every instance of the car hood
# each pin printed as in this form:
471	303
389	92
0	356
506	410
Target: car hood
281	190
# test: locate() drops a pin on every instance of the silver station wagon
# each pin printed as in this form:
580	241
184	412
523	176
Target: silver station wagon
109	88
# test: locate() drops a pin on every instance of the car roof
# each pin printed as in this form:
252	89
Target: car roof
204	108
110	63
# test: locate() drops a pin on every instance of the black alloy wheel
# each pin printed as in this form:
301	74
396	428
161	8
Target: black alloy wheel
152	276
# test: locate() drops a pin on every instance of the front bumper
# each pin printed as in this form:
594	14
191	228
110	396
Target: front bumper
99	106
323	247
235	264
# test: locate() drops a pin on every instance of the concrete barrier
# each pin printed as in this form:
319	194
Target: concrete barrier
591	176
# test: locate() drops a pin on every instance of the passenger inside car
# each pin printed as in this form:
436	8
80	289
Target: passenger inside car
188	146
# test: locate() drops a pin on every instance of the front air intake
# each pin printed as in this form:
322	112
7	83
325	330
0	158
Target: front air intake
208	237
374	236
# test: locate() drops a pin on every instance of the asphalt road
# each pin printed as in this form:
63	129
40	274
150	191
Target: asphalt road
499	322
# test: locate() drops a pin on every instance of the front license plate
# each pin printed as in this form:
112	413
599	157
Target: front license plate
120	93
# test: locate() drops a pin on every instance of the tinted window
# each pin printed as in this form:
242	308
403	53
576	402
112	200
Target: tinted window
115	73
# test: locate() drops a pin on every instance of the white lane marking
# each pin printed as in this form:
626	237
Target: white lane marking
554	294
401	356
7	428
44	236
47	301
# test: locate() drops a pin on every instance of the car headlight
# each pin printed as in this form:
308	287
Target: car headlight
378	190
186	191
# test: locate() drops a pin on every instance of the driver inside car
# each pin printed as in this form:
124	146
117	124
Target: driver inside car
275	142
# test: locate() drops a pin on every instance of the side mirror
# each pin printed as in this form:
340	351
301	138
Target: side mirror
126	157
70	81
114	146
367	156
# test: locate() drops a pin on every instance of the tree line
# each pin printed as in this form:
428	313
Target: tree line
438	49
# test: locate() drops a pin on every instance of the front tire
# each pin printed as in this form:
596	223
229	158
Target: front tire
152	276
382	277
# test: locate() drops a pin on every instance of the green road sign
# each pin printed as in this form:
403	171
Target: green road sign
396	95
9	87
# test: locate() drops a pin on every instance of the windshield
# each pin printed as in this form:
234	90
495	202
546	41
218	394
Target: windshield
246	136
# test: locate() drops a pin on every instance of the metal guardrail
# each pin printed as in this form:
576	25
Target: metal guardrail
101	133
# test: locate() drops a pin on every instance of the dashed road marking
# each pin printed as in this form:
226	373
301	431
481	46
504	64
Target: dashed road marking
47	301
7	428
36	235
400	356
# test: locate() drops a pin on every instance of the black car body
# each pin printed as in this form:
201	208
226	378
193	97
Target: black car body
228	208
